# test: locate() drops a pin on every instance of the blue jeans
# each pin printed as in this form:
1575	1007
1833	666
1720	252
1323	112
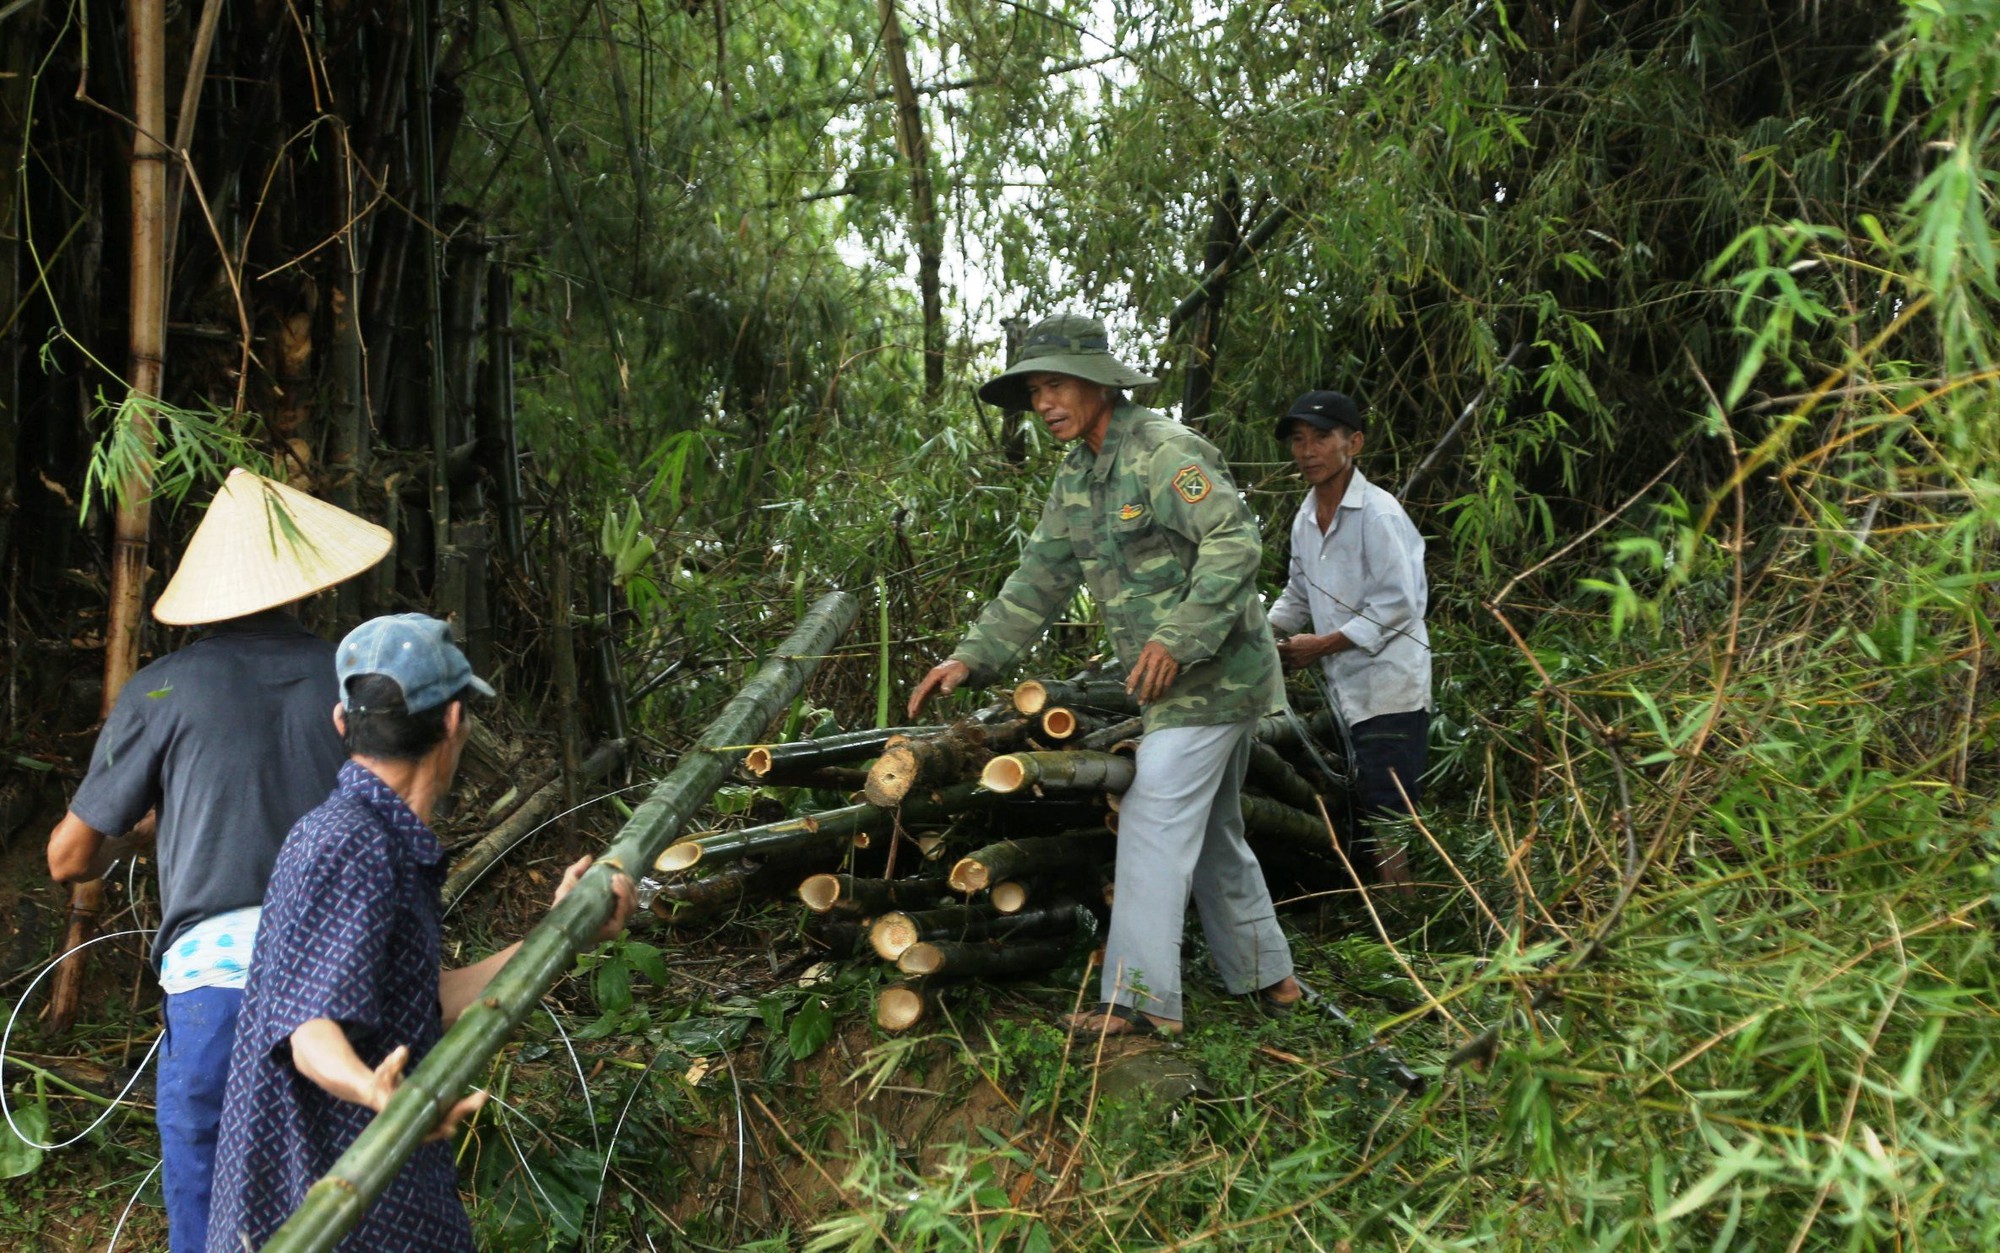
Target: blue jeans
194	1066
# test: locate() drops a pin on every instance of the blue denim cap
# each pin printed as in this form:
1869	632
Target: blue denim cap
413	649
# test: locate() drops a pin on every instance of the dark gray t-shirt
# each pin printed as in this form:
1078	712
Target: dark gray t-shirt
232	738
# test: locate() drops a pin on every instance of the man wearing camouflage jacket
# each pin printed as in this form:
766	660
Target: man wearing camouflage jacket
1144	514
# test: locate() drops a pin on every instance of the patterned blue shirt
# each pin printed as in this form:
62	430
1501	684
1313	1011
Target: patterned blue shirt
350	932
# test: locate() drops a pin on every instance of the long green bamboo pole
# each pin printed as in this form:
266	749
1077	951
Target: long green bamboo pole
335	1203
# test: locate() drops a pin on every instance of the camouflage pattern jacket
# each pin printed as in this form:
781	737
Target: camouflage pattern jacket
1152	524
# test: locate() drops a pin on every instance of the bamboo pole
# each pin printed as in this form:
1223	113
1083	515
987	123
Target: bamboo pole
892	933
523	822
1274	775
827	750
124	613
834	827
900	1006
1108	695
926	230
1059	771
1264	816
335	1203
1010	859
907	764
983	958
1059	723
853	894
1100	741
1010	896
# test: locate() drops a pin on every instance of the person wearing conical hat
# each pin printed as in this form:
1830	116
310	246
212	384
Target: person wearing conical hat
212	752
1144	514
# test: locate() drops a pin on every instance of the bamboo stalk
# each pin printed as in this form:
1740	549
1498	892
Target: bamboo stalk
1100	741
900	1006
1059	771
834	827
146	365
983	958
915	762
828	750
840	937
523	822
1011	858
335	1203
698	899
1108	695
853	894
1059	723
925	230
1275	775
1010	896
892	933
1264	816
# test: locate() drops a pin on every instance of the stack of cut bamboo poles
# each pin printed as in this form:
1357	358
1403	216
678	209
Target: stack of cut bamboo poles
983	848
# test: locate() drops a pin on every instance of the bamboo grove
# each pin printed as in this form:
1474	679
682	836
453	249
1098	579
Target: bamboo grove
639	324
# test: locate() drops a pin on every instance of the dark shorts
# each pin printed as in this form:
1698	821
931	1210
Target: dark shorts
1388	749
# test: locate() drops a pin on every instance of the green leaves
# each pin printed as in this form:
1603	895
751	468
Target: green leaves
21	1156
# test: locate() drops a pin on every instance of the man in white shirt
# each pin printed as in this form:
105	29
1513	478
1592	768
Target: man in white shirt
1357	579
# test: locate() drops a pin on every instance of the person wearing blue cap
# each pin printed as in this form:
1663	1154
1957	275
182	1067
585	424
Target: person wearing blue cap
1357	579
347	987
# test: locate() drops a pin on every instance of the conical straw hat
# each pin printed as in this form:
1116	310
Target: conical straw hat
262	545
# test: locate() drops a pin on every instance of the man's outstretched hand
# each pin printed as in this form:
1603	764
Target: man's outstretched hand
943	679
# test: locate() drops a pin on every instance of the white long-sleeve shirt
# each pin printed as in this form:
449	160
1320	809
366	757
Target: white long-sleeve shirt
1363	577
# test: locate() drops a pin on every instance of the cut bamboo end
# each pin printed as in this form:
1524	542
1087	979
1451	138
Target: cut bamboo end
1031	697
1009	896
678	857
921	959
1111	823
820	892
891	777
863	840
757	762
1114	801
1004	774
1126	748
899	1007
891	935
969	876
1059	723
931	846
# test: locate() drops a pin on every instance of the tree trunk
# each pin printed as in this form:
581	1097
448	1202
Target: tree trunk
924	223
334	1204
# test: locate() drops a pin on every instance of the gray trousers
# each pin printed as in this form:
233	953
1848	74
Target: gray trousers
1180	830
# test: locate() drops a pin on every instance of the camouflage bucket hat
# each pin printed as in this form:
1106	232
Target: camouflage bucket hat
1067	343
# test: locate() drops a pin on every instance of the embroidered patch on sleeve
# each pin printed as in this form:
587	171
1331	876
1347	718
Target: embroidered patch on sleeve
1129	512
1192	484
